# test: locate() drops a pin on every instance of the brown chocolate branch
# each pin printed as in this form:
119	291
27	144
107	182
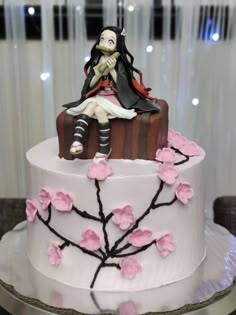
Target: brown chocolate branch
179	152
84	250
114	252
102	216
102	265
141	249
154	206
151	207
49	213
85	214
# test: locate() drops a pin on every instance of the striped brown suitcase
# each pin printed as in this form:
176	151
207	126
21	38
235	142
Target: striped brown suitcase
138	138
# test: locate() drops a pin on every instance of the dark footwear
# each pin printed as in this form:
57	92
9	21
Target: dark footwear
81	128
104	132
101	156
76	148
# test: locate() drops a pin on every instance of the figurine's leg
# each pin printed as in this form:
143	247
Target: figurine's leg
81	129
90	109
104	131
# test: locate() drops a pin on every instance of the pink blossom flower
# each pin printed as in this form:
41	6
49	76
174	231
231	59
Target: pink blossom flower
128	308
140	237
165	243
165	155
31	210
177	140
62	201
184	192
190	148
129	267
55	254
123	217
45	198
99	171
90	240
168	173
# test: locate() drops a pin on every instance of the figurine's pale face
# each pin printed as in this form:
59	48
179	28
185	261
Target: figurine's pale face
108	40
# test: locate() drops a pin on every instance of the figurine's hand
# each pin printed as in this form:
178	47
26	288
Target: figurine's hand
97	72
111	62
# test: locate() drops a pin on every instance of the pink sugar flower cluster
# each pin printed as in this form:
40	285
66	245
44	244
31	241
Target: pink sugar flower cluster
55	254
45	197
123	217
100	170
60	200
188	148
165	243
168	173
31	210
184	192
166	155
90	240
129	267
140	237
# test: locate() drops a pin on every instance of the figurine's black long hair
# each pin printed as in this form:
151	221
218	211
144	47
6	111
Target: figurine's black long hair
125	55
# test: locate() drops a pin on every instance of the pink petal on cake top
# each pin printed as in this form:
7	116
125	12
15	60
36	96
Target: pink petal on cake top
31	210
129	267
128	308
190	148
177	140
181	143
55	254
123	217
165	243
90	240
45	197
165	155
62	201
140	237
184	192
100	170
168	173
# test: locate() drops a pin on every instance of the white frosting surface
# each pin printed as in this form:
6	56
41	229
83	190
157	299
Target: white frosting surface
133	183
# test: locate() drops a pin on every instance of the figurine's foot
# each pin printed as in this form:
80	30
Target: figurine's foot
76	148
101	156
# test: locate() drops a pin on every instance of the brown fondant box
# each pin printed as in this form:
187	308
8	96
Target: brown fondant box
138	138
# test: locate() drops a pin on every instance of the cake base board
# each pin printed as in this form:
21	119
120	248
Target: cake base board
212	280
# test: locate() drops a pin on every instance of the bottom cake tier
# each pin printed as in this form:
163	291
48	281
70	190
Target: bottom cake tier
120	225
28	290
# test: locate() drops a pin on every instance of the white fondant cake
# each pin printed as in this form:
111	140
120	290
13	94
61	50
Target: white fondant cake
120	225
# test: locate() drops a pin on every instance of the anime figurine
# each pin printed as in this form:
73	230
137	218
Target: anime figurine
110	91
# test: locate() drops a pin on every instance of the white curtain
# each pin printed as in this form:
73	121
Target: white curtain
196	66
189	66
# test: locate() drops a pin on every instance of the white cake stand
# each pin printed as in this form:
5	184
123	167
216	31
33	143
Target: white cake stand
36	294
